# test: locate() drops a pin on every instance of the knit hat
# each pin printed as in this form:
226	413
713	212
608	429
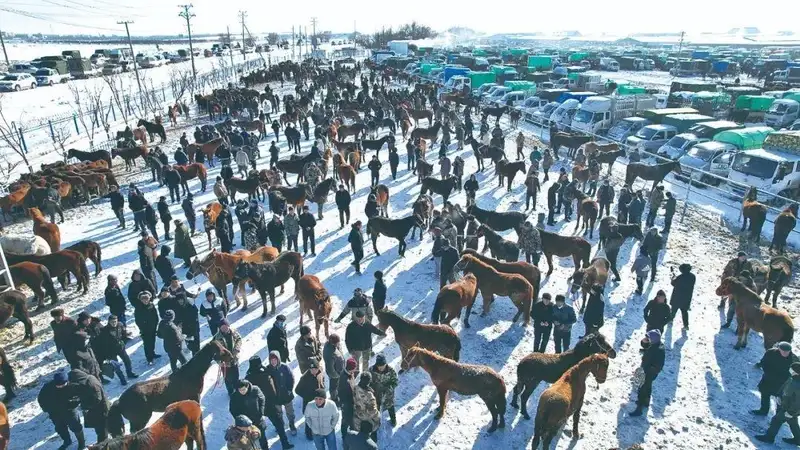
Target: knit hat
661	293
350	364
280	318
210	292
60	377
785	346
111	278
169	314
365	377
654	336
304	330
313	365
320	393
83	316
145	294
740	254
243	421
255	361
380	360
173	278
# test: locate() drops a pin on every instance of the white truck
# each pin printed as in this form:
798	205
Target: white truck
609	64
400	48
597	114
49	77
782	113
775	168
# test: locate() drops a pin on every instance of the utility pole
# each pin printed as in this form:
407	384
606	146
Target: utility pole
3	44
230	45
130	45
680	44
186	14
242	16
314	41
293	42
305	33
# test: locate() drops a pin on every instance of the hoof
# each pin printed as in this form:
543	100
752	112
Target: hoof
526	416
263	315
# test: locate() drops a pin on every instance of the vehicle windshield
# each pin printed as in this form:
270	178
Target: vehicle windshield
583	116
779	108
677	142
10	78
621	127
754	165
646	133
548	108
43	72
701	153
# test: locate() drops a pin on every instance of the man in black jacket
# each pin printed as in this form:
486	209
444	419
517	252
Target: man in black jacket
164	215
605	197
224	230
276	231
657	313
146	318
138	285
64	327
669	211
343	204
471	188
394	161
188	211
164	265
347	381
137	203
775	363
652	363
259	377
115	300
93	400
307	223
117	204
653	243
277	340
374	167
682	292
356	241
358	339
542	315
188	316
60	402
248	400
378	292
624	200
173	180
450	257
552	202
173	339
146	260
112	337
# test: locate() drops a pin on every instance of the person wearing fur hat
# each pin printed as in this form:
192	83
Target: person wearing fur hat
277	340
657	313
652	363
163	265
248	400
242	435
358	338
307	386
213	310
307	349
384	382
682	292
334	363
146	317
775	363
283	379
63	328
788	410
172	339
365	406
232	341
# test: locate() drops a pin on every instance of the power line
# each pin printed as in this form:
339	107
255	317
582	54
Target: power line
187	14
130	45
242	16
45	19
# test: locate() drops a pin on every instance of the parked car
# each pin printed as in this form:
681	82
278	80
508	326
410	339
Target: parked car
17	82
112	69
679	144
23	68
651	137
49	77
542	116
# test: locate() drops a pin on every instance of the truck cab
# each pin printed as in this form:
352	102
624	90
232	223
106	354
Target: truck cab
542	116
679	144
496	94
711	156
563	115
651	137
775	168
782	113
530	105
485	88
456	83
627	127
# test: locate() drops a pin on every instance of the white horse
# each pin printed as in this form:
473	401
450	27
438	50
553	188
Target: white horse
24	245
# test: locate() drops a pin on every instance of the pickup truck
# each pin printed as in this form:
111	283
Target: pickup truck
49	77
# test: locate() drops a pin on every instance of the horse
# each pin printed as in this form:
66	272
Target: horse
45	230
571	141
565	398
424	170
99	155
431	133
655	173
210	213
14	303
266	276
422	208
320	195
14	198
442	187
595	274
355	130
752	313
25	245
407	333
498	221
129	155
192	171
527	270
291	166
549	367
5	428
59	264
607	223
172	112
496	112
153	129
381	193
513	116
91	251
509	170
354	159
418	114
587	209
347	176
142	399
555	244
182	422
295	195
405	125
784	224
501	248
465	379
253	125
454	297
481	152
608	157
779	275
376	145
219	268
250	186
140	134
393	228
313	297
35	276
207	148
755	212
491	282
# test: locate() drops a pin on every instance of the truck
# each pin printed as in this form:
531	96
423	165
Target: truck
598	113
626	127
609	64
478	79
657	115
49	77
793	76
580	96
551	95
518	85
450	71
562	116
682	122
772	168
400	48
716	104
651	137
783	112
58	64
540	63
80	68
692	86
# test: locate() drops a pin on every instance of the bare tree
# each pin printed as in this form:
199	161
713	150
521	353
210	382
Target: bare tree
181	82
60	137
87	104
118	95
273	38
10	138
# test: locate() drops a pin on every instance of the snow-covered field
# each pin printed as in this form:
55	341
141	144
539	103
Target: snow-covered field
700	400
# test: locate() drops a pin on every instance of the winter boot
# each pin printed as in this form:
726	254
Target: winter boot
287	445
132	375
292	428
309	434
65	445
122	380
392	417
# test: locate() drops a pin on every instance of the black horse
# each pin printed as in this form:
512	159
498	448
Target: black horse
442	187
153	129
497	112
393	228
481	152
377	144
501	249
99	155
376	125
498	221
267	276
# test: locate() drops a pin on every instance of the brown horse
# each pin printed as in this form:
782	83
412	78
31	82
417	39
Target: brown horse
751	312
59	264
466	379
190	172
549	367
491	282
13	199
181	423
555	244
655	173
347	176
588	210
218	267
453	298
91	251
14	303
355	130
779	275
313	297
381	193
5	428
210	213
249	186
139	401
405	125
45	230
527	270
208	149
596	274
253	125
755	212
418	114
784	224
407	333
129	155
266	276
35	276
565	398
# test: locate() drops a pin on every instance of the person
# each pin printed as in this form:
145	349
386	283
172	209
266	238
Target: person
322	415
259	376
334	363
471	188
248	400
394	161
221	191
563	319
624	200
371	208
283	379
151	220
242	162
652	363
359	303
163	265
224	229
213	311
520	141
307	224
188	318
115	300
173	181
641	266
172	339
656	198
788	411
60	402
93	401
343	205
356	241
530	242
311	380
735	267
146	260
378	292
188	211
274	154
231	341
136	203
636	208
542	315
146	318
184	247
531	188
384	382
277	340
682	292
242	435
292	224
307	349
164	215
669	211
450	257
547	163
64	327
605	197
347	382
775	365
275	231
113	337
360	440
117	202
365	406
653	243
374	167
8	378
657	313
593	318
358	338
444	167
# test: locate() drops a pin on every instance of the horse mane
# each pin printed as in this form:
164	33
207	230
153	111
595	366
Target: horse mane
740	291
199	360
582	368
141	439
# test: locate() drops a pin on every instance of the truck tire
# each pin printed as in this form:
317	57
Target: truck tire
33	85
17	88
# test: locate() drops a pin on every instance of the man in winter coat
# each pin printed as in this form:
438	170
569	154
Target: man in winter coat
242	435
450	257
117	205
64	327
232	341
547	163
137	203
213	310
151	220
374	167
347	382
458	172
542	315
242	162
563	317
172	339
307	349
471	188
188	317
164	215
594	311
788	411
93	401
224	229
59	400
274	153
311	380
146	261
669	211
636	208
334	363
343	205
653	243
283	379
322	415
359	303
371	208
605	197
365	406
173	181
531	189
384	382
652	363
113	337
775	363
220	191
641	266
735	267
188	211
394	161
277	340
275	231
146	317
530	242
552	202
444	167
356	241
184	247
657	313
623	203
163	265
307	225
248	400
656	198
292	223
115	300
378	292
259	376
358	339
682	292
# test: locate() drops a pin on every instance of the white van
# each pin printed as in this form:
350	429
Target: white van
562	116
774	168
513	97
782	113
497	94
542	115
714	157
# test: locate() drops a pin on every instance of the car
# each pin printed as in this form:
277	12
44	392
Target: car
17	82
111	69
30	69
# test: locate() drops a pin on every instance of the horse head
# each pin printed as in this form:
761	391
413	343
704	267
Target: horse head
576	280
463	263
240	272
599	367
724	289
412	358
595	343
220	353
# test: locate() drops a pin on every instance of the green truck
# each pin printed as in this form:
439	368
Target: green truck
478	79
682	122
540	62
751	108
521	85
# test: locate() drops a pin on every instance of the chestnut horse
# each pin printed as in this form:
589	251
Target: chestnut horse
453	298
381	193
5	428
210	213
91	251
208	149
596	274
14	303
588	210
191	171
755	212
784	224
45	230
347	176
266	276
59	264
565	398
313	297
555	244
218	267
35	276
181	423
491	282
441	339
466	379
751	312
527	270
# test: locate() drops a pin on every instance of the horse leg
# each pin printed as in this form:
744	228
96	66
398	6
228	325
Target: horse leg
488	298
374	244
442	402
744	223
740	333
549	258
402	248
493	411
575	419
526	394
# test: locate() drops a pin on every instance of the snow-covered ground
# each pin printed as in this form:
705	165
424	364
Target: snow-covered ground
700	399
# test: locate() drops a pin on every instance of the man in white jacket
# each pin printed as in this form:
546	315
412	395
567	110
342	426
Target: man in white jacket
242	162
266	107
322	415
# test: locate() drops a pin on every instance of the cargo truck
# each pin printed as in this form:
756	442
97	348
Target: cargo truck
540	62
599	113
772	168
682	122
783	112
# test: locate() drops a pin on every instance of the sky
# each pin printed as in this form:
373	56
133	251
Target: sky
212	16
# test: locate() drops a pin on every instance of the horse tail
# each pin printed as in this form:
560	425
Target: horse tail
437	308
99	257
115	422
47	281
